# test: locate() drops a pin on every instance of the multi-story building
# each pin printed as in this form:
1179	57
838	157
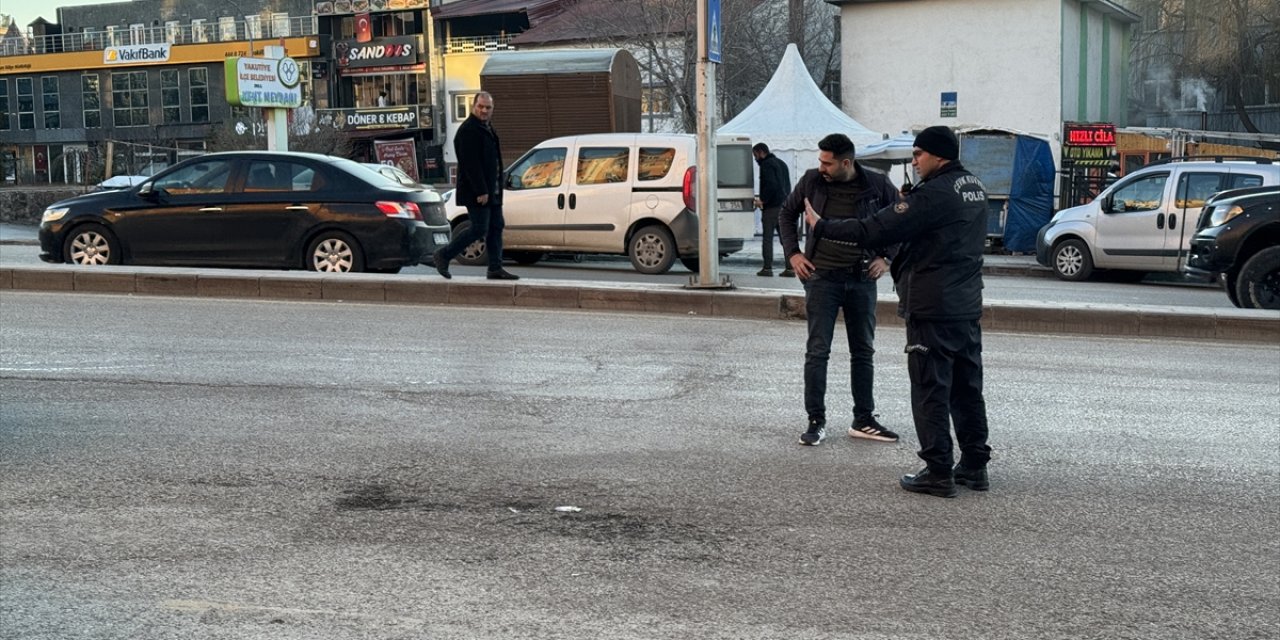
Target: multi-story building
130	87
375	82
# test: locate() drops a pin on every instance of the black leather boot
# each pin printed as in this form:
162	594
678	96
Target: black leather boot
975	479
930	482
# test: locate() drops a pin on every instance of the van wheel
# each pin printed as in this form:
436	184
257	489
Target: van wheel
652	250
474	255
1258	285
1071	261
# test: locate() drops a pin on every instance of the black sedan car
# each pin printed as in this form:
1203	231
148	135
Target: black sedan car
252	209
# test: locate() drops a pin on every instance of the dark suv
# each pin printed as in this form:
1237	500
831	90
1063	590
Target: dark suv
1239	238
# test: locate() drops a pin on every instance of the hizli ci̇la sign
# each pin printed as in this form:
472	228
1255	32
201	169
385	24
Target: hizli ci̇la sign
263	82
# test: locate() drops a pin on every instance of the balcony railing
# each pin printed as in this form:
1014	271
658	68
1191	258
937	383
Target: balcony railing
211	31
479	44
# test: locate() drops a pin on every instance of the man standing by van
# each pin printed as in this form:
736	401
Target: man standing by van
838	276
479	190
943	222
775	184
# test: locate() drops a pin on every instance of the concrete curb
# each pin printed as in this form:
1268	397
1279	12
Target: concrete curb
1141	321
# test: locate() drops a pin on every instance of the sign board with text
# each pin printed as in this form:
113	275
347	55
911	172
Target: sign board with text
263	82
405	117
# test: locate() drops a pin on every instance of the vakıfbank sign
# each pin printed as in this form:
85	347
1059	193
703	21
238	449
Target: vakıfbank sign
136	54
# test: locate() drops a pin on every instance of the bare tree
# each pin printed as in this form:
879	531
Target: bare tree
305	134
1232	46
663	36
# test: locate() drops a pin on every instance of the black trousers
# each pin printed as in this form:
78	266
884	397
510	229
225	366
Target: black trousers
944	360
769	222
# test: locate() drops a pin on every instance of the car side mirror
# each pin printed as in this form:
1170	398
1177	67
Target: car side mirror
1107	204
146	190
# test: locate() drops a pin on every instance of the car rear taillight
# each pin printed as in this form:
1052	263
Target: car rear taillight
407	210
690	184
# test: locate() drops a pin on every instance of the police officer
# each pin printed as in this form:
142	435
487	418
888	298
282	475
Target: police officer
938	273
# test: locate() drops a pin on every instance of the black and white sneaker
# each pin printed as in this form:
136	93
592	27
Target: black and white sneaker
870	429
816	433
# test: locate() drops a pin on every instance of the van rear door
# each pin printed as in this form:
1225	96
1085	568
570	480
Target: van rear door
735	189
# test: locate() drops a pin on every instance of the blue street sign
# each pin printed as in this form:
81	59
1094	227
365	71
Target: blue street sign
713	30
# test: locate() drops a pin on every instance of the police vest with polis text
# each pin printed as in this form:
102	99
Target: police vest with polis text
938	273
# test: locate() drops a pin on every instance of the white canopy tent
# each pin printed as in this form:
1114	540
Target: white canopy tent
791	115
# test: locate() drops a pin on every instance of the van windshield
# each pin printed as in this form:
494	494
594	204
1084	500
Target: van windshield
733	166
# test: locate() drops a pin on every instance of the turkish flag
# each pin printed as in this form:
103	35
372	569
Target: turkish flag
364	30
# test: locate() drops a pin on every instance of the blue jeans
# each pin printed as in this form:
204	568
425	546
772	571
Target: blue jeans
827	292
486	224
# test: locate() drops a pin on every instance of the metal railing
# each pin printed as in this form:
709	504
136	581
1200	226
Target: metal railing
479	44
209	31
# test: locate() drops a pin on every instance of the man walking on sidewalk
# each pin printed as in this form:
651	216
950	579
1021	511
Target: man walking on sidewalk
775	184
479	190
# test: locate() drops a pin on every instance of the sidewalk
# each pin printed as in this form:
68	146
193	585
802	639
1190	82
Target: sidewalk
993	264
751	254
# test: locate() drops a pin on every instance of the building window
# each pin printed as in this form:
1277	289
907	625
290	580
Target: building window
113	36
173	32
4	104
226	29
461	107
89	87
280	24
253	26
199	33
170	96
49	95
198	79
129	99
655	100
137	33
26	104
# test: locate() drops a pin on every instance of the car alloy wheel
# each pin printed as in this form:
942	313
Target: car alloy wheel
334	253
1071	261
92	245
473	255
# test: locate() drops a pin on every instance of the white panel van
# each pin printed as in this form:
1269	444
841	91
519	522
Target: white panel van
629	194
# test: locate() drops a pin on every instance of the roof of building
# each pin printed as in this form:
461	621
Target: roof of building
594	20
537	10
514	63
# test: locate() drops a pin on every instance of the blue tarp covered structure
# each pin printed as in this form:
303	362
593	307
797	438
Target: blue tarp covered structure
1018	171
1031	198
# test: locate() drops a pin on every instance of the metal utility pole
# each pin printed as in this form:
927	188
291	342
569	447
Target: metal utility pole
709	47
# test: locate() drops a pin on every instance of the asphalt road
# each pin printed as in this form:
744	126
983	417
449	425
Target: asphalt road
742	271
199	468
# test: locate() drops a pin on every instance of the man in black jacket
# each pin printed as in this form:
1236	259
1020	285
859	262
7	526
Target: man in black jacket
938	273
838	276
479	190
775	184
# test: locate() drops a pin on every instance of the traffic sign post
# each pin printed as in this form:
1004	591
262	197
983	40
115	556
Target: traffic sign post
709	46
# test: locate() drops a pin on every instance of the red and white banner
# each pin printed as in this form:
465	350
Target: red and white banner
364	29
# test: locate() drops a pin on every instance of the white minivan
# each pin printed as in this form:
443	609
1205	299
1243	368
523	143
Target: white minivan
1143	222
628	194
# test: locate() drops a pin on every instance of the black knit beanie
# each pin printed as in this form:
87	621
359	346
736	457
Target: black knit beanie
939	141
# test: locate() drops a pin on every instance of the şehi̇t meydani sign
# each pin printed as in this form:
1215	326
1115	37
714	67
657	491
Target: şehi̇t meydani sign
263	82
